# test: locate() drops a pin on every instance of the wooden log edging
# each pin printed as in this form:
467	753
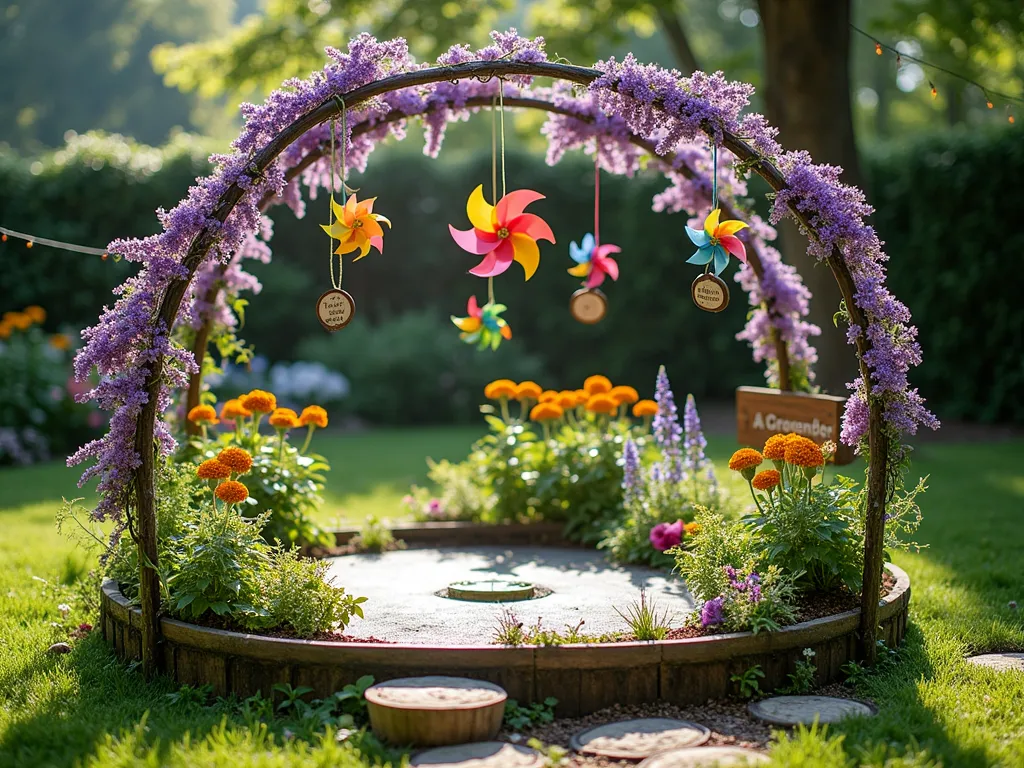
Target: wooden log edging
584	678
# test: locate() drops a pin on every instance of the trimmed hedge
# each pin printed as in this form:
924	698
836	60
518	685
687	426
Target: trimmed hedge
946	206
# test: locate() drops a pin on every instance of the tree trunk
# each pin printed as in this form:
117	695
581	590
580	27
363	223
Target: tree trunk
807	94
680	43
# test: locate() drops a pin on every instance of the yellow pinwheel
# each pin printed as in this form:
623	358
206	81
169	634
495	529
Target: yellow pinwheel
357	227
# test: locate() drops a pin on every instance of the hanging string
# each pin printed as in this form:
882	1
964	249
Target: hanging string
30	240
344	197
494	180
597	199
714	177
501	108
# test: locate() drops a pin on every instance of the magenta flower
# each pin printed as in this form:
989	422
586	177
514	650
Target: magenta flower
666	535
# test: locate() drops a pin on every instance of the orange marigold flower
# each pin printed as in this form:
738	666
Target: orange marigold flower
804	452
203	414
60	341
18	320
766	479
745	458
548	396
211	469
259	401
602	403
35	313
546	411
236	459
284	418
624	394
691	528
5	329
645	408
775	447
597	385
233	409
528	390
232	492
581	397
313	414
566	399
500	388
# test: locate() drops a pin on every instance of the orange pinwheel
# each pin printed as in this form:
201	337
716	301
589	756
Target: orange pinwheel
357	226
503	233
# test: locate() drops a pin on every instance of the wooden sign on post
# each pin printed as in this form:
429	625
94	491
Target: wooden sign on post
763	412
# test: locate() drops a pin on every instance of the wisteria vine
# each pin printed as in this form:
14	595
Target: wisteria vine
627	101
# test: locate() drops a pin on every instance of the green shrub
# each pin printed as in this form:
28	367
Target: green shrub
297	595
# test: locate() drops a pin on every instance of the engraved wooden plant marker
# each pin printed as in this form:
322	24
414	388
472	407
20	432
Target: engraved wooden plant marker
334	309
710	293
588	306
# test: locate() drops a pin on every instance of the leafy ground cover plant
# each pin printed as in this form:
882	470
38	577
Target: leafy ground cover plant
520	718
216	565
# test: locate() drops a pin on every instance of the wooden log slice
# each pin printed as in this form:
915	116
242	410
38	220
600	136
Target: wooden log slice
804	710
435	710
637	739
705	757
484	754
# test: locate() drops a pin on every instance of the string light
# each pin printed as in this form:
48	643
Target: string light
881	47
31	240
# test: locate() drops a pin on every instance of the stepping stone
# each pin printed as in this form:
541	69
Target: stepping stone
637	739
435	710
483	754
705	757
1000	662
803	710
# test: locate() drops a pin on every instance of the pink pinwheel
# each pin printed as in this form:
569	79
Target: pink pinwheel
503	233
593	261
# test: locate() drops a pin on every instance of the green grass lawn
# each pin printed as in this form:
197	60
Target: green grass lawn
86	709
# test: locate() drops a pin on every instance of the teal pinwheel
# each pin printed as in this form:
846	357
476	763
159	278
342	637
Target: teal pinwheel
483	325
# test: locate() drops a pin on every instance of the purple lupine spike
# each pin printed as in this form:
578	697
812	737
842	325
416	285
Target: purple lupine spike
667	432
632	480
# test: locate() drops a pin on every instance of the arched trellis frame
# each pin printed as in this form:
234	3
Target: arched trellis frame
171	299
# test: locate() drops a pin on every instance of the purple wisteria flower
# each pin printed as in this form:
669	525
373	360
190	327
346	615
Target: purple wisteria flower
711	612
667	432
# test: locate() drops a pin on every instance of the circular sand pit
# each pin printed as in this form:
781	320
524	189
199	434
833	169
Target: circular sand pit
1000	662
404	588
485	754
705	757
435	710
803	710
637	739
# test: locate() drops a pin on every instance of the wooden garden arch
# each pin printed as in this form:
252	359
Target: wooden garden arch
145	475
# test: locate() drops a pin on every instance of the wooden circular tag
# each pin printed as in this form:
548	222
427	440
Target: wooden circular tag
710	293
588	305
334	309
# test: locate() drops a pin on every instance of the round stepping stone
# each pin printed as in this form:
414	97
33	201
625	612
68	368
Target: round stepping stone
803	710
483	754
435	710
705	757
637	739
1000	662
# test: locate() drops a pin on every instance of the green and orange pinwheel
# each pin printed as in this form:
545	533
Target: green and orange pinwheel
357	227
503	233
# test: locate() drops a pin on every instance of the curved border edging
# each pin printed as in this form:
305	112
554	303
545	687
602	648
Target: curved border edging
584	678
